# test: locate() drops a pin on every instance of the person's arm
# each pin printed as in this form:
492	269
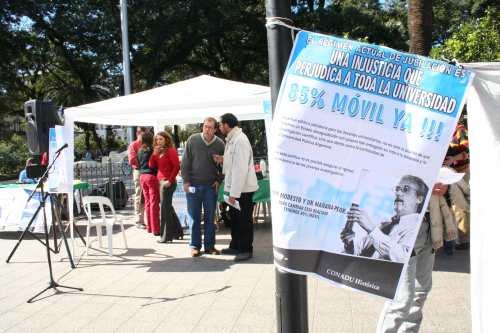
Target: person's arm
22	176
382	243
220	176
396	251
153	161
439	189
132	156
186	165
174	163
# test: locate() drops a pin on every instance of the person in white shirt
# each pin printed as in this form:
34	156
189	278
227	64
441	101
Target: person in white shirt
240	182
392	240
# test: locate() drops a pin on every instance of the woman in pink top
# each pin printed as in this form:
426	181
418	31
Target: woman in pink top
165	160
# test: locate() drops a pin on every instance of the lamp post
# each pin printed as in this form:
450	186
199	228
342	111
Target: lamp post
126	57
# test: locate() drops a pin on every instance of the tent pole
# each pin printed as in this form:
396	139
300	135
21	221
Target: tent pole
291	289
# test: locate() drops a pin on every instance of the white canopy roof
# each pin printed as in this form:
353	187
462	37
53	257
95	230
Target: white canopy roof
184	102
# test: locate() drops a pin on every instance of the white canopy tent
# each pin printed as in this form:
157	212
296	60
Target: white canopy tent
185	102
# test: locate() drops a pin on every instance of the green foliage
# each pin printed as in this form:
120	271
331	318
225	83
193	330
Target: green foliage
360	20
187	131
176	40
69	51
475	41
256	132
449	15
116	144
254	129
13	155
81	147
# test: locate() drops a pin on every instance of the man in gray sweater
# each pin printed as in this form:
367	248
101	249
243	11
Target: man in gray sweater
202	176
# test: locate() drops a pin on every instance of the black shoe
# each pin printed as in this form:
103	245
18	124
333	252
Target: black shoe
462	246
243	256
213	251
229	250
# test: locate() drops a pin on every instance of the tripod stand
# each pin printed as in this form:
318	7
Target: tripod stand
55	208
44	196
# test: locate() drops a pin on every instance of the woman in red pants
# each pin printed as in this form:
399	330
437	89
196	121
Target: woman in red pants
149	184
165	159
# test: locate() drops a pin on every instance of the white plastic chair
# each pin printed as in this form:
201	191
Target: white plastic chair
104	220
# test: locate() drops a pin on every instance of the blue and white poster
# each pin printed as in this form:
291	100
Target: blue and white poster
359	135
53	174
60	176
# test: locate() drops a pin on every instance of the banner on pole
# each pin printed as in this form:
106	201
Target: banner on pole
359	135
60	179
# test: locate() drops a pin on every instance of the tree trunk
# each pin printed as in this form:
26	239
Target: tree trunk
420	26
97	139
87	140
176	138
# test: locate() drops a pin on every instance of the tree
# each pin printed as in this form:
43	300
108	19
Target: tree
475	40
420	26
13	156
449	15
256	132
365	19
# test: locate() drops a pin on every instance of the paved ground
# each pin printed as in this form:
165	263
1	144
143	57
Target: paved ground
157	287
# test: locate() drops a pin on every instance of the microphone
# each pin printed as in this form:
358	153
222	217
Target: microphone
61	148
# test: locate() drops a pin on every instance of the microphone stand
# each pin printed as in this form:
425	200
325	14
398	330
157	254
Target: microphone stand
52	283
55	217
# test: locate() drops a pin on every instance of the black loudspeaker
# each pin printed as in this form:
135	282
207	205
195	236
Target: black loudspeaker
40	116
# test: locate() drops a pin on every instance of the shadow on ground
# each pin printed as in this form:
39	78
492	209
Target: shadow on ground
459	262
149	300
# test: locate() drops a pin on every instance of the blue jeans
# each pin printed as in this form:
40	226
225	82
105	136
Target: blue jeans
206	197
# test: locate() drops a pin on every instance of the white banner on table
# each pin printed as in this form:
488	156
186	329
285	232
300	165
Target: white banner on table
179	202
52	180
15	212
359	136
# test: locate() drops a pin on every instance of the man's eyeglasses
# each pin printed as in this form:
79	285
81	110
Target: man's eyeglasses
404	188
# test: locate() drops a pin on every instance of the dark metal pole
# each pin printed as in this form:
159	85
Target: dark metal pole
291	289
127	81
177	140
